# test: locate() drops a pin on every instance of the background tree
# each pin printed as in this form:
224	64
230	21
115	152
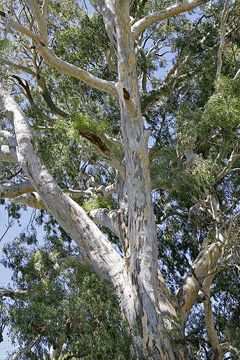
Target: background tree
123	126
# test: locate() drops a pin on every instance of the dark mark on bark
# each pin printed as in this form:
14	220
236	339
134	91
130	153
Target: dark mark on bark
96	140
126	94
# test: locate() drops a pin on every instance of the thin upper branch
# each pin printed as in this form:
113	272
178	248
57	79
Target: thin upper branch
223	25
171	11
12	293
41	20
228	168
18	67
26	348
60	65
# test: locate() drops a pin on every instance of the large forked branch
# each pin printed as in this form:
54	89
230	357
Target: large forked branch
60	65
171	11
90	136
71	217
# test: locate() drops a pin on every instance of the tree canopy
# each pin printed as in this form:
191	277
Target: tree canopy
120	130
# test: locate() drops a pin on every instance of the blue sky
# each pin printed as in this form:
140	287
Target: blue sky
5	274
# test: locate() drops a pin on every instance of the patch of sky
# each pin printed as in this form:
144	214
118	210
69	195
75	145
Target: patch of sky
9	231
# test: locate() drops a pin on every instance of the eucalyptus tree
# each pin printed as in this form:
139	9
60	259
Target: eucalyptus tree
123	124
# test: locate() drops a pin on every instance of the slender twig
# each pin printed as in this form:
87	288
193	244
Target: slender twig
5	232
223	25
26	348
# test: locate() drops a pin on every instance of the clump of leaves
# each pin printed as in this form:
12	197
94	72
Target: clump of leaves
85	123
4	44
98	202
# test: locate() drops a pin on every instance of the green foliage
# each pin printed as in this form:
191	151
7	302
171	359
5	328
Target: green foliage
83	122
97	203
67	300
4	44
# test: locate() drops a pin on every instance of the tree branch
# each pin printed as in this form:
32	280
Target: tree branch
228	168
11	190
26	348
224	17
212	333
18	67
40	19
70	216
31	199
173	10
12	293
108	218
60	65
202	268
7	155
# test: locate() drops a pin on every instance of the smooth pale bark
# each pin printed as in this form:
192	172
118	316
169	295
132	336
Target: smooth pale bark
172	11
141	244
10	190
109	218
60	65
93	244
209	319
26	348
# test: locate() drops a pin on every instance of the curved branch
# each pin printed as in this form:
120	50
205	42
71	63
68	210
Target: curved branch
200	270
70	216
31	199
64	67
12	293
60	65
209	318
172	11
10	190
18	67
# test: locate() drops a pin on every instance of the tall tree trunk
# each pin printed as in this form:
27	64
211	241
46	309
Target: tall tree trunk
150	314
155	332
